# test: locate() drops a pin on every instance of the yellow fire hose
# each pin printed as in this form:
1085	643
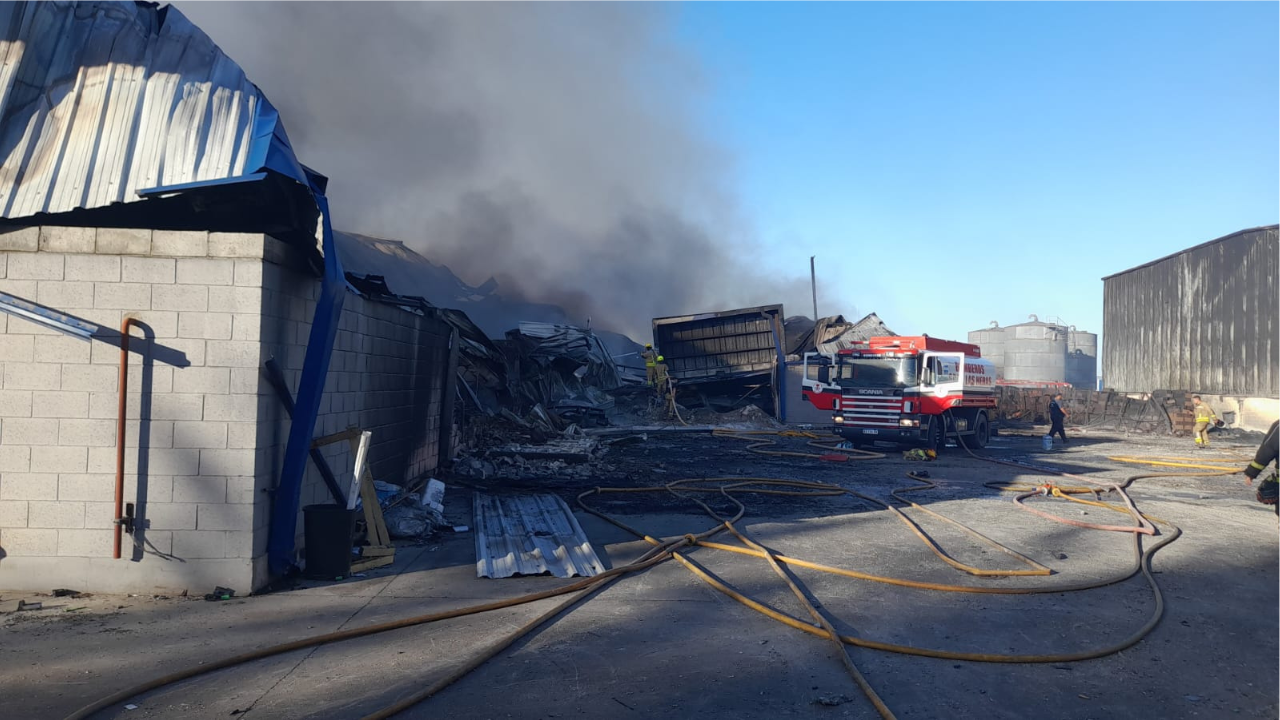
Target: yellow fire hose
1183	462
820	626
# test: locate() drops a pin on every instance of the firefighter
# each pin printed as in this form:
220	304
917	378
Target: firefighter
660	375
1268	489
649	371
1205	416
1056	416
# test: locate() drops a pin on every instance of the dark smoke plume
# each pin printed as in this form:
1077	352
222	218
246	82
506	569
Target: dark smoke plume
554	146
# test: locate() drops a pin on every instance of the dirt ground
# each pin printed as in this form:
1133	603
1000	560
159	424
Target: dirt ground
662	644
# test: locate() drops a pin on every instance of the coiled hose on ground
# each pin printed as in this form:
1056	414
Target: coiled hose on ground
819	625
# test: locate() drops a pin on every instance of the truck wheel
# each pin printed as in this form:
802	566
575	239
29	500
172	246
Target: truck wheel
937	439
981	432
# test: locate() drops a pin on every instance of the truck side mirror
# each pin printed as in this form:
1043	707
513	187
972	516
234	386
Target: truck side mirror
824	374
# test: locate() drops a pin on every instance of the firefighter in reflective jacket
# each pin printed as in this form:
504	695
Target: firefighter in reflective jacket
1204	418
650	372
1268	489
660	375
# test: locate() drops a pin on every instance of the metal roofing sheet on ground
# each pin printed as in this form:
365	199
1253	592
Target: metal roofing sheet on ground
530	534
102	100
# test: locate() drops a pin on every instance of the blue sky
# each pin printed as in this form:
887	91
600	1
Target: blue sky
954	163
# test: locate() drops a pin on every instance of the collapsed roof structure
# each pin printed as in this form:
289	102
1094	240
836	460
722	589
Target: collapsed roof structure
832	333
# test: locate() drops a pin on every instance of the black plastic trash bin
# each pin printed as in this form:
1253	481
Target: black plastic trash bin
328	530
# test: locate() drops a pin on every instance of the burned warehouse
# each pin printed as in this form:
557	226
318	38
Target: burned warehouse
497	411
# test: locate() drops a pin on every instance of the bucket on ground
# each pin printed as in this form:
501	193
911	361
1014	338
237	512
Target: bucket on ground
328	530
1047	442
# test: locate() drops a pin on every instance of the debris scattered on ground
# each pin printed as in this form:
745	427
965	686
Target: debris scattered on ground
410	520
570	451
220	593
13	606
433	496
63	592
564	372
571	455
832	700
410	515
920	454
627	439
386	492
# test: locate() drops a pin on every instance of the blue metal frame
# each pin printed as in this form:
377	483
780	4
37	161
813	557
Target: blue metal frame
324	329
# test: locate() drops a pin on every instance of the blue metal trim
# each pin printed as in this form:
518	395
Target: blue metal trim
270	148
324	329
166	189
47	317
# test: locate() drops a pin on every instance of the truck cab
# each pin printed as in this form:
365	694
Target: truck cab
919	391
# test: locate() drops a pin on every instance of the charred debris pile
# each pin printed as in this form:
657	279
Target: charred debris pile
532	403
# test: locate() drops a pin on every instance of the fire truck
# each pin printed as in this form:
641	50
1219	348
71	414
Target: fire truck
912	390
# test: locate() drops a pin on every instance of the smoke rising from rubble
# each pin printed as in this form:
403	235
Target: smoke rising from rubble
552	146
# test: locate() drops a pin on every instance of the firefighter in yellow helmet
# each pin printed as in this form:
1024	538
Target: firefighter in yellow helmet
1205	416
650	373
660	374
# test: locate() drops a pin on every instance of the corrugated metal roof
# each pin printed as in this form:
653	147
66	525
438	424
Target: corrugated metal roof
1238	233
102	100
531	534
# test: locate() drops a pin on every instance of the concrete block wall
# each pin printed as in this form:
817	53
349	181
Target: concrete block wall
387	375
193	403
206	433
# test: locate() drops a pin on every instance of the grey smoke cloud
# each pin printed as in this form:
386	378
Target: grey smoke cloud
554	146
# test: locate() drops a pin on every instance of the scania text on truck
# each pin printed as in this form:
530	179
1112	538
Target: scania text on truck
912	390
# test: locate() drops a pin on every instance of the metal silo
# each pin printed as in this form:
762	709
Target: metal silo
991	342
1035	351
1082	359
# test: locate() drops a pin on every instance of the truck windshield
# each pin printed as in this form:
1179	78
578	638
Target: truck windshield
875	372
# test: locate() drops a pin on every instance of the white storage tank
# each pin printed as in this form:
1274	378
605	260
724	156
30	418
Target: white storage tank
1036	351
991	341
1082	359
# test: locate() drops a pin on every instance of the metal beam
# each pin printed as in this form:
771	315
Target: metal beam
47	317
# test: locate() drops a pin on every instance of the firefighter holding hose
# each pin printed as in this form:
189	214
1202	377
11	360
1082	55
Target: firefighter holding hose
1268	489
650	369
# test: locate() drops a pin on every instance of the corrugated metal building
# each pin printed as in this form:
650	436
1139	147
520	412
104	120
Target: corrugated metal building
1203	320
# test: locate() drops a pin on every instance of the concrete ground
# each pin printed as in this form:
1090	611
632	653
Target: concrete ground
661	644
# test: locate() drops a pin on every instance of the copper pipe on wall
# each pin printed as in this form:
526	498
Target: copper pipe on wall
120	418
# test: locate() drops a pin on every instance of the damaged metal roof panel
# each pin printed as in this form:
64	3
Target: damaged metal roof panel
530	534
833	333
101	102
721	345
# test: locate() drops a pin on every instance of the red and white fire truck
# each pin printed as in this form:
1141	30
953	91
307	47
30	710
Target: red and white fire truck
917	390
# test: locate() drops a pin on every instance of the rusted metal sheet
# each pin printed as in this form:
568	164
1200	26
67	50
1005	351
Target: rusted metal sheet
530	534
102	101
1203	320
